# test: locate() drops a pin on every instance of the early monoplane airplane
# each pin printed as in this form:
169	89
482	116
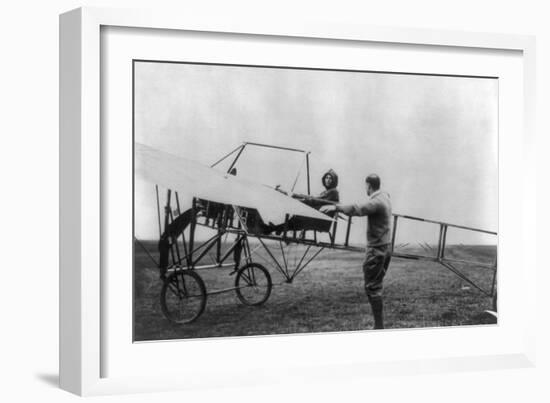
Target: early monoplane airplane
234	209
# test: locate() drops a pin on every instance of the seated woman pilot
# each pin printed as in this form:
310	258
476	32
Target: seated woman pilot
328	196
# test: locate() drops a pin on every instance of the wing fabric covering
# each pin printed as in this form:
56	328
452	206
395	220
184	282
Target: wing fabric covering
192	178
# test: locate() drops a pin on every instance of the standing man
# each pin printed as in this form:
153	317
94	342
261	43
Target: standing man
378	253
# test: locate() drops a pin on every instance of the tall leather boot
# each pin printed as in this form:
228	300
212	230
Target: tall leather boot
377	307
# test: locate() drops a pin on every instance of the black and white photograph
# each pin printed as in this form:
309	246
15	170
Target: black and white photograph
275	200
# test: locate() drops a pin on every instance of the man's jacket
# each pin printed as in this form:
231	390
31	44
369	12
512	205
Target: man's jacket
378	210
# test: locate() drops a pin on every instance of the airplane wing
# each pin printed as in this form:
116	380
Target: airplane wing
203	182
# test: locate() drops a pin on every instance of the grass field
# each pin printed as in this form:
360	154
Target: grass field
327	296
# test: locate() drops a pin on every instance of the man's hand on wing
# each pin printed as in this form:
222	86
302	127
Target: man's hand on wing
329	208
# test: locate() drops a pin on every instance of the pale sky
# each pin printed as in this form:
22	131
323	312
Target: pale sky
433	140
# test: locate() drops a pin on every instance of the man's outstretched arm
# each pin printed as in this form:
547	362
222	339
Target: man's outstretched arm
351	209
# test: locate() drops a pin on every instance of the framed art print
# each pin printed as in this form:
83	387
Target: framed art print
256	193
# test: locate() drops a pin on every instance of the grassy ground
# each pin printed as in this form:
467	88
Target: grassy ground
327	296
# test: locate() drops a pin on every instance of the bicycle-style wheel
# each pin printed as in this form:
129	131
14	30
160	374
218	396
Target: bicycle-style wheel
183	296
253	284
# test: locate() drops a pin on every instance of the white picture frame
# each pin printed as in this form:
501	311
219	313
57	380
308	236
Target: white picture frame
82	172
